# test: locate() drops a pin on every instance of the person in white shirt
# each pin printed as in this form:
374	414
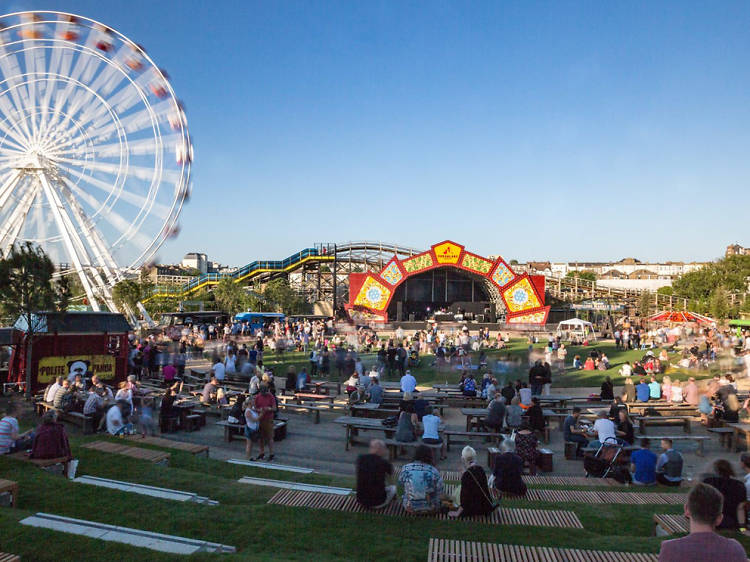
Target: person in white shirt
218	370
626	370
49	396
525	394
408	382
605	428
230	364
115	423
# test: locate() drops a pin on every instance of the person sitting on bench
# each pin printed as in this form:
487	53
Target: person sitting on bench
423	485
572	433
643	465
10	440
116	416
475	494
526	446
535	416
669	465
704	511
372	471
430	426
375	392
50	441
49	394
495	413
508	470
733	492
208	396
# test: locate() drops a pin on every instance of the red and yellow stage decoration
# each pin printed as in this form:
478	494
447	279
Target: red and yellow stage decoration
523	295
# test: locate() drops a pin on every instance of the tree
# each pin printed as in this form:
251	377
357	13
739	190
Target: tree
230	297
718	304
127	292
26	288
587	275
280	294
644	304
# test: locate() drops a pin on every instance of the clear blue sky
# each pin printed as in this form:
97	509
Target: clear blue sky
554	130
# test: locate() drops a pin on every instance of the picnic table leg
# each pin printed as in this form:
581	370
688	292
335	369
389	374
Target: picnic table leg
468	423
348	436
687	426
641	427
700	448
736	439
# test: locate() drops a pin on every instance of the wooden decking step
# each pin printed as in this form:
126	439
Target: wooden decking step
586	496
562	480
159	457
272	466
194	448
5	557
164	493
136	537
300	486
501	516
443	550
668	524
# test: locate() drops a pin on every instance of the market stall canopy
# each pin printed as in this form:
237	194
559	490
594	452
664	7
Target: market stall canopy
683	316
576	327
575	324
75	322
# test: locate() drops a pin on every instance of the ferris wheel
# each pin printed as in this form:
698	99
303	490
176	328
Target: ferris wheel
95	153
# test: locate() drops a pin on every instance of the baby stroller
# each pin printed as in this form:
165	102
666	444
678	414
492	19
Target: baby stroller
604	463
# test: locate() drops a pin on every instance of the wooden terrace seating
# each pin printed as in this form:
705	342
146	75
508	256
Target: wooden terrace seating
604	497
669	524
41	463
12	487
151	455
5	557
501	516
194	448
444	550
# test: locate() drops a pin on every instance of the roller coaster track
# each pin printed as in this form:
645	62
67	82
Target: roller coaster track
367	252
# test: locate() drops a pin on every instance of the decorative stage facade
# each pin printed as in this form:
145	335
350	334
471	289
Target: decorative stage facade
467	277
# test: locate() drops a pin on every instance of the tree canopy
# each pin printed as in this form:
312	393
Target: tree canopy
587	275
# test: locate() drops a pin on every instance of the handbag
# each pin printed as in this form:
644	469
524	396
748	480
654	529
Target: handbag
494	502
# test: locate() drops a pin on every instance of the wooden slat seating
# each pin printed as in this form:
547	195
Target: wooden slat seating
5	557
151	455
594	497
502	516
669	524
194	448
41	463
455	476
444	550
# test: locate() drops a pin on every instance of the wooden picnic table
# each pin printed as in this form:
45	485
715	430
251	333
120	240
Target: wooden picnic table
643	421
740	428
300	397
447	388
355	425
472	414
12	487
555	399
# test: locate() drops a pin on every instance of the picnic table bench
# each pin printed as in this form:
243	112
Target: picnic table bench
309	408
157	457
86	423
643	421
370	410
452	435
725	435
11	487
394	447
699	439
299	397
232	430
355	425
669	524
740	428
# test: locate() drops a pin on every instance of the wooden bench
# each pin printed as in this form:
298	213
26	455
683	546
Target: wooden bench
726	434
644	421
5	557
86	423
668	524
194	448
699	439
600	497
151	455
503	516
41	463
314	410
299	397
394	447
11	487
444	550
232	430
451	435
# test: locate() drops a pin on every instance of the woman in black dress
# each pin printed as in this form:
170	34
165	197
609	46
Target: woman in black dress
475	494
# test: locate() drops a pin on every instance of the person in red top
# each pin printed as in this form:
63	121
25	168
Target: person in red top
265	405
50	440
704	510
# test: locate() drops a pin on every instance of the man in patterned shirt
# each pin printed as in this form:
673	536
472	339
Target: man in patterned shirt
423	486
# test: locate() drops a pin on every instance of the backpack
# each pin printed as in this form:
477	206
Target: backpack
390	421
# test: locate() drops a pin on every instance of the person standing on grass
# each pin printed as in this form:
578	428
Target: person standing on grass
372	472
265	405
704	511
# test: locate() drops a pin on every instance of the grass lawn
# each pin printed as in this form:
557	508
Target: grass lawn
268	532
428	375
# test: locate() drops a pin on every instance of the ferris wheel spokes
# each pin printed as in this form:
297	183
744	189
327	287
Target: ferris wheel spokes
15	221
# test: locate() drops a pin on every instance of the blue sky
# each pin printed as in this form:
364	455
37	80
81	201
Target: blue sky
550	130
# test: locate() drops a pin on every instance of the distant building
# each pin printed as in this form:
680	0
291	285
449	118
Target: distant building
170	274
196	261
737	250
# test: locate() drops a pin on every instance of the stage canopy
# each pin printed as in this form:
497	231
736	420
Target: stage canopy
576	327
680	317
